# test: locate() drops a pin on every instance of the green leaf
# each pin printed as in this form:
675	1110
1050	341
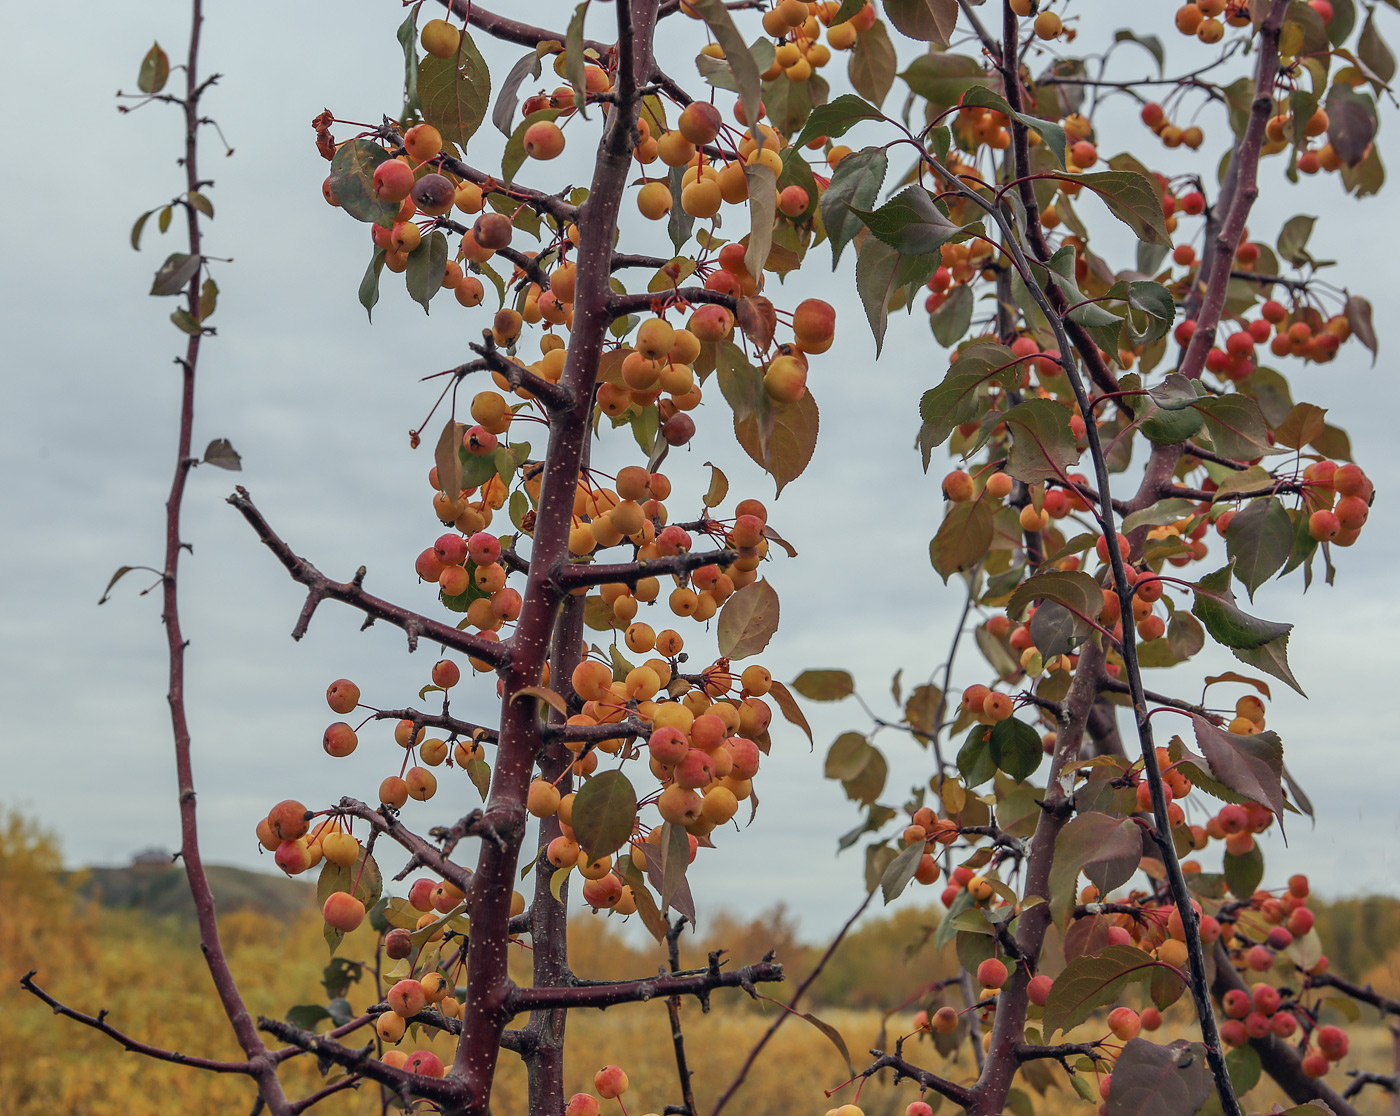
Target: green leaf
963	538
951	320
1042	446
910	222
748	620
1149	43
763	210
824	685
675	856
154	72
1156	515
1304	423
957	399
737	55
172	275
208	298
508	98
1215	608
781	437
876	266
574	60
1075	590
1244	872
927	21
847	757
201	203
975	762
306	1016
1088	983
454	92
837	118
605	811
352	181
1270	657
1258	541
942	79
427	264
1371	49
873	63
900	871
1133	199
1052	133
1293	239
1105	848
407	35
1015	748
855	184
186	322
1236	426
138	227
369	285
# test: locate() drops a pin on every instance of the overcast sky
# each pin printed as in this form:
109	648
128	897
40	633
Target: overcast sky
319	402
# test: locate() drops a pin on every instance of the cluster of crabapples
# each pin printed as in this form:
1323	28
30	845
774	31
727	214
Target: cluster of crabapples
1297	332
1255	933
702	747
1207	20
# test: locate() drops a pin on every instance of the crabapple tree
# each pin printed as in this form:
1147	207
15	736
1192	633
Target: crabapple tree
615	619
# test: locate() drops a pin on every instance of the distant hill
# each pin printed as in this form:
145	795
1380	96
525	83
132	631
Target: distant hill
160	889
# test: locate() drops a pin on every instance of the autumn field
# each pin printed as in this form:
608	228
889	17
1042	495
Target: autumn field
146	971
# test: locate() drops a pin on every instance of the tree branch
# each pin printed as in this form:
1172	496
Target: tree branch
350	592
578	575
424	853
99	1023
605	994
958	1094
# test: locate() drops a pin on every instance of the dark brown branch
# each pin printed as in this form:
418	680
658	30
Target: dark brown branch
451	1091
1061	1052
605	994
99	1023
596	734
673	1012
622	260
385	823
437	720
350	1082
556	397
577	575
350	592
1366	994
510	30
1114	685
958	1094
620	305
1362	1078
